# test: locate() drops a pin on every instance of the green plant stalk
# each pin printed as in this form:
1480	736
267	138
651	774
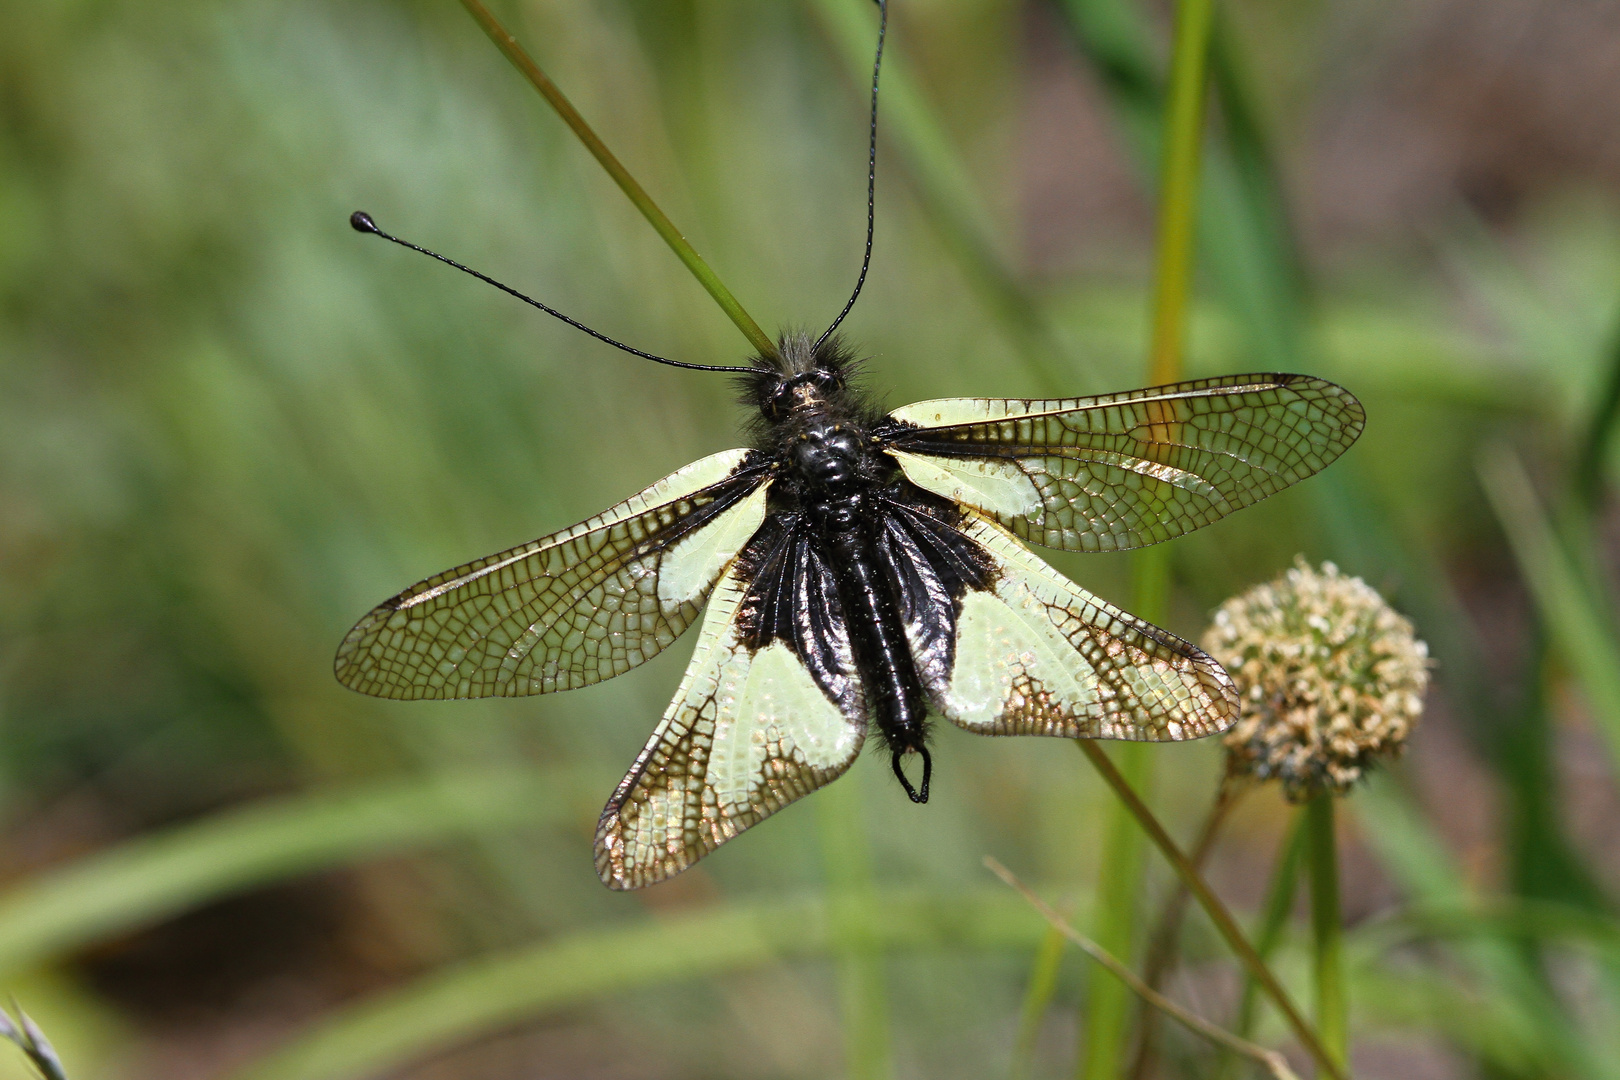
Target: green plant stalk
1252	258
1268	934
633	190
1327	934
1178	195
1244	239
1106	1012
1217	911
453	1005
863	999
1108	1005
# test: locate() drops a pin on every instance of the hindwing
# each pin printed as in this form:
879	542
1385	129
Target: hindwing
769	710
1121	471
569	609
1005	645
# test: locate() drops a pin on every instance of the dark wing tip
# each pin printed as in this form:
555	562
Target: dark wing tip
611	866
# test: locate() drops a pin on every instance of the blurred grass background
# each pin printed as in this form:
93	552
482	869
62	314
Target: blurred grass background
229	425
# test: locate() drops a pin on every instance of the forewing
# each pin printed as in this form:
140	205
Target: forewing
1031	653
769	710
1123	471
569	609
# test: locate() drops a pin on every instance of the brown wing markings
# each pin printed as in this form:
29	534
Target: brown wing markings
1037	655
1125	470
737	743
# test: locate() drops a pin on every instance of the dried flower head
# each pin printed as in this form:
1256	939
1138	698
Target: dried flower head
1331	678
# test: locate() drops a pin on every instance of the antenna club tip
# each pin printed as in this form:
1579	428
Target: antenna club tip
360	221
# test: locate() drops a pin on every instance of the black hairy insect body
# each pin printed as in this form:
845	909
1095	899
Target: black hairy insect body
834	494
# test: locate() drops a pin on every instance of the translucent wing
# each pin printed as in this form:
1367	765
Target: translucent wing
1007	646
569	609
769	710
1125	470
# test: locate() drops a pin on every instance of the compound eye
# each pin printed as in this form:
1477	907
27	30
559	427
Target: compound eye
778	402
828	381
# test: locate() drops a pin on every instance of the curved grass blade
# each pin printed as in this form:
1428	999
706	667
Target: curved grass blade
1583	632
483	996
143	881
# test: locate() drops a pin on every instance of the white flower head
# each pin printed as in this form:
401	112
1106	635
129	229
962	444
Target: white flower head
1331	678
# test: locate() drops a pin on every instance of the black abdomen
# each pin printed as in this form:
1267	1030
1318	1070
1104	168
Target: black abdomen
871	606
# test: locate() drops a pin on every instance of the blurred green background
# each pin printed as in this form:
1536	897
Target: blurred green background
229	426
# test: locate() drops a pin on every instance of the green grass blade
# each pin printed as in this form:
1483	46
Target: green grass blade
1580	628
1425	871
1038	993
1243	233
863	997
1178	191
474	999
1105	1015
1106	1025
162	874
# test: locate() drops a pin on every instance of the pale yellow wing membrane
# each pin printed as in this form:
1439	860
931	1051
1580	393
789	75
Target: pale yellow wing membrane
749	731
1037	655
569	609
1122	471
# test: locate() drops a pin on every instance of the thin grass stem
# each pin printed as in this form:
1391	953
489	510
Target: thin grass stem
1217	911
637	194
1275	1062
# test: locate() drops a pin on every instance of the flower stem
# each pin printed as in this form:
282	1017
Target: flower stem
1218	914
1322	856
637	194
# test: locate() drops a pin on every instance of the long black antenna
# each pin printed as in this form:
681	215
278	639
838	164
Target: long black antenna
871	173
361	221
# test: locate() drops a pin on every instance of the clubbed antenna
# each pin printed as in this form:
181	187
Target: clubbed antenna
362	222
